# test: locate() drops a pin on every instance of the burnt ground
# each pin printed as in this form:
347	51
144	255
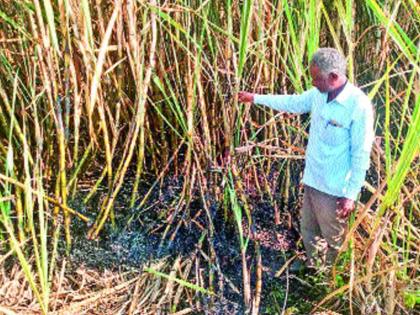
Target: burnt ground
126	246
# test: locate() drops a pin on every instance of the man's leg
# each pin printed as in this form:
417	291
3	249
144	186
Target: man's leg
332	227
310	229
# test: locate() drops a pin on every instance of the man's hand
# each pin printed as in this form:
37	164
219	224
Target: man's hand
245	97
345	206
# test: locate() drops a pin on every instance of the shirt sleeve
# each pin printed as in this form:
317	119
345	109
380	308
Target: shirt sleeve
362	136
298	104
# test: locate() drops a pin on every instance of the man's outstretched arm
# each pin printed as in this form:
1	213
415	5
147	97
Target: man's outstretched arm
298	104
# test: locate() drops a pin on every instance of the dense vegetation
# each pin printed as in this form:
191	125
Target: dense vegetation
98	92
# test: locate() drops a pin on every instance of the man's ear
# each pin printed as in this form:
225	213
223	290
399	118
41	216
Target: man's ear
333	76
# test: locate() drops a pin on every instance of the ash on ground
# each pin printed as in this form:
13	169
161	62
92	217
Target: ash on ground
132	245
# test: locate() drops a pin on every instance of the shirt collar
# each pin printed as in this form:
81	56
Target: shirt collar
344	94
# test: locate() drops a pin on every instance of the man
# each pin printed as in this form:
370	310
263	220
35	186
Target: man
337	157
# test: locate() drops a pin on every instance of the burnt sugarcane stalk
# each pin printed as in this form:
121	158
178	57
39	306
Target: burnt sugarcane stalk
139	118
62	173
237	211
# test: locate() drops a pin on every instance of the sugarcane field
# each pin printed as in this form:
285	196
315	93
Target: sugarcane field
210	157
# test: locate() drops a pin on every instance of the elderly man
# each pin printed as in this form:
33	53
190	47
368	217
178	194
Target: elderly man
337	157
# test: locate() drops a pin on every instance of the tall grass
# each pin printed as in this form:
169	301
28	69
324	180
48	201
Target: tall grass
147	86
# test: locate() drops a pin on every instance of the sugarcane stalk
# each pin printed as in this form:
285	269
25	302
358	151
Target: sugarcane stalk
50	199
20	215
62	175
258	285
138	125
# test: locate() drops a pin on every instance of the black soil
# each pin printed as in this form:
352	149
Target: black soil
136	239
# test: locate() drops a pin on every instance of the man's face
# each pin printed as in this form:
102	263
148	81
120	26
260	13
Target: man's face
324	83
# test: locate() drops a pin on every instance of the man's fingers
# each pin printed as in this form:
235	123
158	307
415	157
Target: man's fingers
343	212
245	97
339	210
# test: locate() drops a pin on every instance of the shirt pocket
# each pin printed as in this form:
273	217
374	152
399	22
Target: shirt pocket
335	130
